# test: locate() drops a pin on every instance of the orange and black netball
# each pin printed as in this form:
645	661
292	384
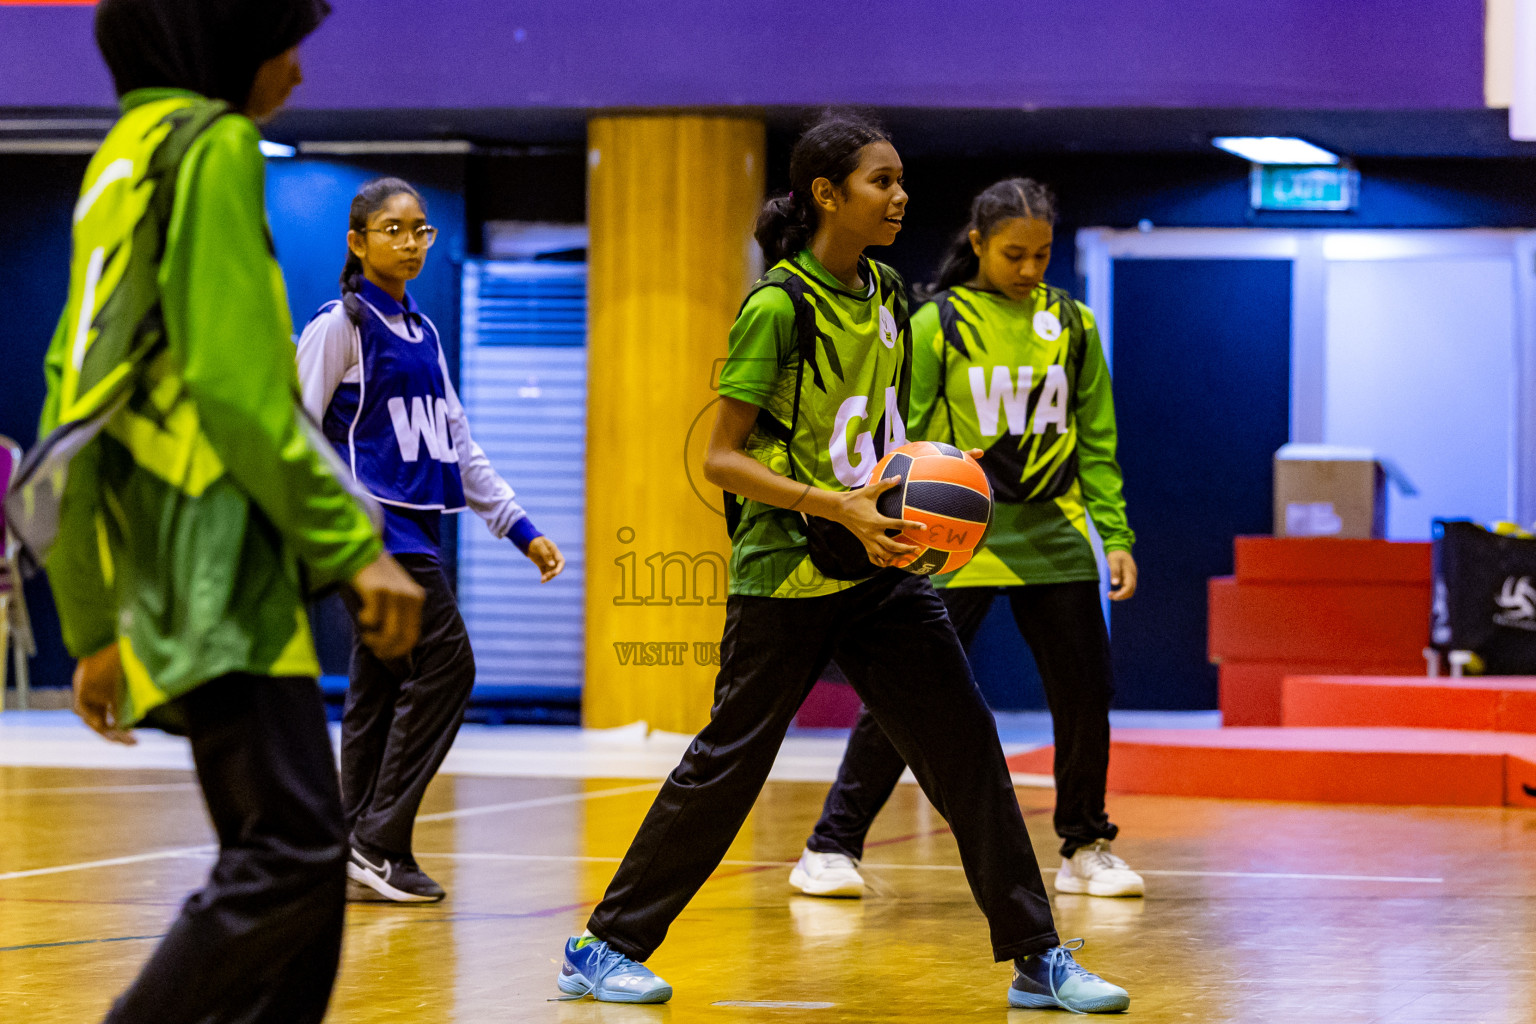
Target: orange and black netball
944	489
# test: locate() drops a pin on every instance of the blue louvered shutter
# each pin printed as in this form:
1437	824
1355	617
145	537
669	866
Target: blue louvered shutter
524	373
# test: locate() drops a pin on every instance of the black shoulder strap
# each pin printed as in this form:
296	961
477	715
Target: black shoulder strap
1072	315
1072	322
804	334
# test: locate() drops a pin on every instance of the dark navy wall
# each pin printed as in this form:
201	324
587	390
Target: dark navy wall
35	204
1202	397
1325	54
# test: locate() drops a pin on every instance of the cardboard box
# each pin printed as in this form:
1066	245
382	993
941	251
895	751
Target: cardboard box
1328	491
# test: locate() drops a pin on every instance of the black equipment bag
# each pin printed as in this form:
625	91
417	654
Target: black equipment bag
1485	596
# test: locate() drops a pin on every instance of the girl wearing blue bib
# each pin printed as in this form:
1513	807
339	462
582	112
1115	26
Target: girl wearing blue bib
372	371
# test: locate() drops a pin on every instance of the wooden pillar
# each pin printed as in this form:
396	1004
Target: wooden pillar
672	200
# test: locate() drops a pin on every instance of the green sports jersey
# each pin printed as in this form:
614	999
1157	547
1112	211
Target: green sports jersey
193	525
1027	383
853	394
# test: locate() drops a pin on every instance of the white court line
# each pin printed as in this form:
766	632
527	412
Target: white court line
574	858
167	787
1026	779
580	858
543	801
1304	877
138	858
187	851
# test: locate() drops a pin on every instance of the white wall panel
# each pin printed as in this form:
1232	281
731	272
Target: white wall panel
524	381
1420	360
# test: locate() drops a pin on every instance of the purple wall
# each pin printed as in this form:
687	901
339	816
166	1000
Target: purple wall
1318	54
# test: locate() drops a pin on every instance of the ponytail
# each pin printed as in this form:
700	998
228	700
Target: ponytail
1002	201
829	149
960	264
785	226
370	198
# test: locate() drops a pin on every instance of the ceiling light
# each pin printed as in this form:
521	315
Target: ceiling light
1274	149
276	149
387	147
44	125
49	146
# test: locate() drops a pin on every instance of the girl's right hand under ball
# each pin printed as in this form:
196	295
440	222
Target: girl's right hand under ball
857	511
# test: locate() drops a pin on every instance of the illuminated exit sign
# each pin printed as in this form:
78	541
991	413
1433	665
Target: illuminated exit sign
1280	187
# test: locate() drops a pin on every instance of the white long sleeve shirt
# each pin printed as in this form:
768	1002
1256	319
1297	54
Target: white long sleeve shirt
329	351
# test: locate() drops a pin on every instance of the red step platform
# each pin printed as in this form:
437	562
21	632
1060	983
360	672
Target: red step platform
1250	693
1311	606
1487	703
1325	638
1325	765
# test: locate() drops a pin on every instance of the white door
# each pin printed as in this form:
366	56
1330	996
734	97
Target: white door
1420	366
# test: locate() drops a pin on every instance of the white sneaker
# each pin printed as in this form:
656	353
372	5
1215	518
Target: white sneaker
827	874
1098	872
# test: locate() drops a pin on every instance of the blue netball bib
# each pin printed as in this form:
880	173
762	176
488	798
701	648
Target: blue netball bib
392	427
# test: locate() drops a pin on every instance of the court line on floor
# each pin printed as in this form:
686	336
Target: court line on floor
80	942
574	858
543	801
753	868
1301	876
167	787
112	862
466	812
585	859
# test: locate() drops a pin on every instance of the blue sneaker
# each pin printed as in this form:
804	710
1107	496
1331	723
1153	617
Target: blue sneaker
592	968
1053	979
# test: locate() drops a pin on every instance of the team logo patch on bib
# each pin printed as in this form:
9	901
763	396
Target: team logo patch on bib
888	328
1047	326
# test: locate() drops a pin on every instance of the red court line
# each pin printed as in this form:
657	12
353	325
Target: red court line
93	903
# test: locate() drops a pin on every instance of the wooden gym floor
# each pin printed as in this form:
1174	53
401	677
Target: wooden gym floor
1256	912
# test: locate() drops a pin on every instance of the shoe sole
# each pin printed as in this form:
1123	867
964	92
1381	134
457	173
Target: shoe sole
364	877
800	880
357	892
1105	1004
574	987
1078	888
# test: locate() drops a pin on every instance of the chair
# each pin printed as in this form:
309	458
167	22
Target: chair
15	624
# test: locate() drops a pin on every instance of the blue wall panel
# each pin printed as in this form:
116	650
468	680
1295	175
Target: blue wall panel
35	206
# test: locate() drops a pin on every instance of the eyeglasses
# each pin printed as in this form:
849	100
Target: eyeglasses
424	234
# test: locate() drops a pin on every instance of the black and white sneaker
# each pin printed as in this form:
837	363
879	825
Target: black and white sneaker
399	881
